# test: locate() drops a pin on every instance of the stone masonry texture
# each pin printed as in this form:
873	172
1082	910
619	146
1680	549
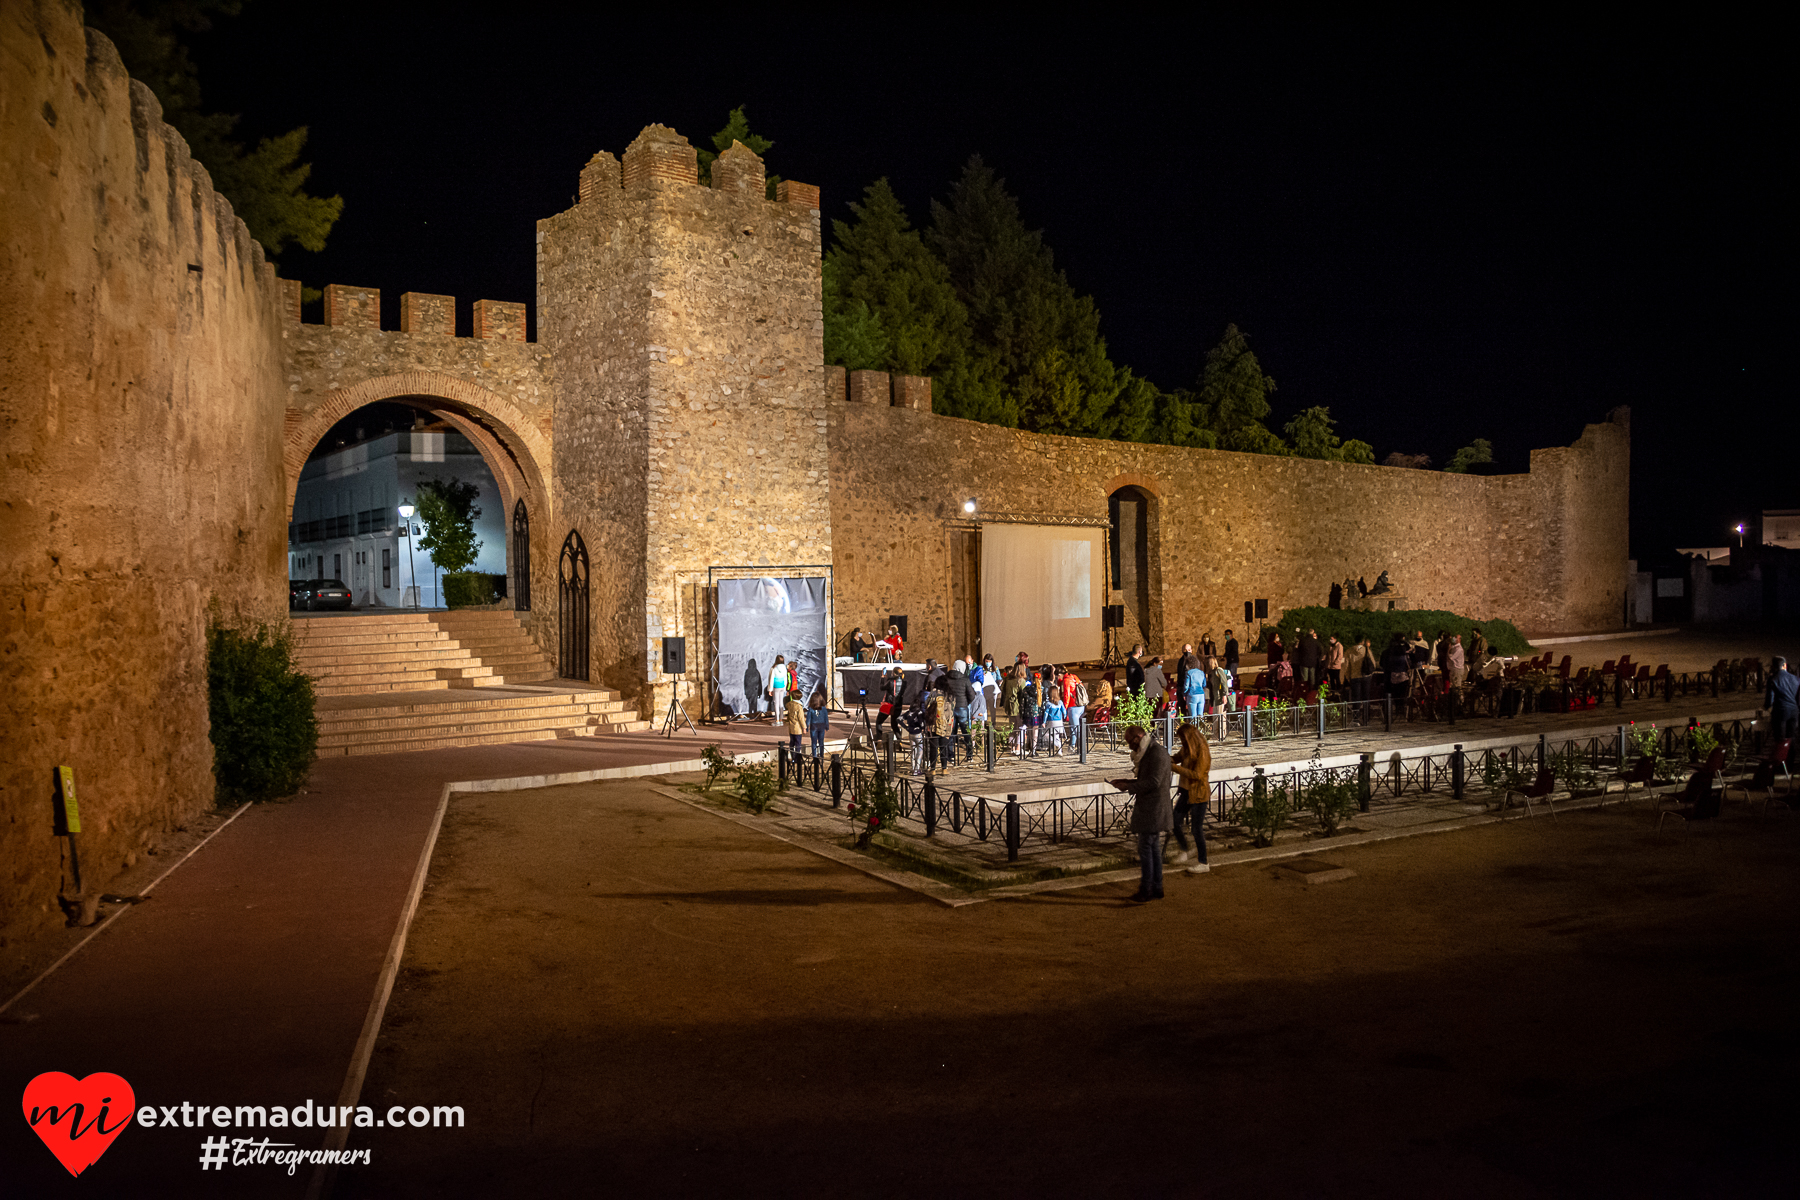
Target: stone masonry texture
140	394
161	395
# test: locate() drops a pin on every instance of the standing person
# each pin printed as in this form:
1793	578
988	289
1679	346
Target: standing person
1231	654
779	685
940	716
1308	657
1028	712
1009	697
1334	663
1075	699
1054	713
1396	662
1134	671
1156	685
1358	665
818	720
890	695
1478	644
990	687
1222	685
1782	699
978	708
753	689
1209	648
1454	664
796	723
956	685
1193	764
1151	814
1277	652
1193	687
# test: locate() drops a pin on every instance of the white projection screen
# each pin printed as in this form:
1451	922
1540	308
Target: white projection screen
1042	589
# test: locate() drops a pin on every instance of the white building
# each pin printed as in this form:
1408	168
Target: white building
347	522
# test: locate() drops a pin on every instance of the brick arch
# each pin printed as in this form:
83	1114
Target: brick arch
1150	483
516	446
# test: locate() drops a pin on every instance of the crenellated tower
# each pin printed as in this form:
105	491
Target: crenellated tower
686	330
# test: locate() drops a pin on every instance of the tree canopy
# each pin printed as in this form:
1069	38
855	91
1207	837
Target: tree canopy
449	512
266	185
737	129
977	302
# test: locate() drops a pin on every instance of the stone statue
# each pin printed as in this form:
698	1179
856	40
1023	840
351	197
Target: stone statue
1382	586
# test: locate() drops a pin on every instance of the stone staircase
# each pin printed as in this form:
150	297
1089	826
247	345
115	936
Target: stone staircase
427	681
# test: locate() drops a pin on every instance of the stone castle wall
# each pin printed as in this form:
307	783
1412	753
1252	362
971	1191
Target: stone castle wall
140	393
1546	550
686	327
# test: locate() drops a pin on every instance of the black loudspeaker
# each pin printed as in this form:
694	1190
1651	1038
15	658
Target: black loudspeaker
898	622
1112	616
674	656
1249	611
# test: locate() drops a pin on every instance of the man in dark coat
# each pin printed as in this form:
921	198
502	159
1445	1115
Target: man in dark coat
1231	653
1134	672
1306	657
1782	700
1152	811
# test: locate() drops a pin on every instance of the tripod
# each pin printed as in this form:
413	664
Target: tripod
1110	656
677	715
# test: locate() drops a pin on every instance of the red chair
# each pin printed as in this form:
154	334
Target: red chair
1563	670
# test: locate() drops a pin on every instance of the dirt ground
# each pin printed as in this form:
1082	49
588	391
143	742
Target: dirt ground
631	997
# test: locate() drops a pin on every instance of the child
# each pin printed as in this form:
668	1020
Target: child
1028	714
1054	712
796	724
818	720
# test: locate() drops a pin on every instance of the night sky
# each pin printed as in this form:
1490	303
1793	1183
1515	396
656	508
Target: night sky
1441	231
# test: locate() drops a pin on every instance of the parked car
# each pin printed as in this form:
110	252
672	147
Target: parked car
314	594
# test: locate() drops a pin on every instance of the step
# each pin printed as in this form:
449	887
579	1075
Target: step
453	741
386	672
397	731
436	637
350	658
423	712
364	689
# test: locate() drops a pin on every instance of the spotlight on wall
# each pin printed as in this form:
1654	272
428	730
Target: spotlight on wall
969	505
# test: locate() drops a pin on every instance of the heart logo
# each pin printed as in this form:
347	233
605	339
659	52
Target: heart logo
79	1118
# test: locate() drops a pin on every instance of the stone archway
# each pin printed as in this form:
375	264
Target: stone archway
515	445
514	442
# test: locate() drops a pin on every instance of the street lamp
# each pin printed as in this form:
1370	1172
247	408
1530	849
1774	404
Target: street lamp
406	514
1740	533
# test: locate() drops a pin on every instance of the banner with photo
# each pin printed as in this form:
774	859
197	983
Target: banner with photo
760	619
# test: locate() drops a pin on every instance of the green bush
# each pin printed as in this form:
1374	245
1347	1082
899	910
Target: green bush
717	763
758	785
470	589
1380	627
1134	710
1330	800
876	808
1270	804
264	733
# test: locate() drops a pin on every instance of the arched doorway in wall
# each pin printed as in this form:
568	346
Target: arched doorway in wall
572	608
1131	564
521	556
435	416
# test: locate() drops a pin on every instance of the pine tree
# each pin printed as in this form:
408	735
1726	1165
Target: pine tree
1312	436
1478	451
267	185
854	338
880	261
737	129
1233	398
1044	340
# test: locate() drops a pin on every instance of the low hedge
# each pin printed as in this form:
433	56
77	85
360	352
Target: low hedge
1380	627
264	731
471	589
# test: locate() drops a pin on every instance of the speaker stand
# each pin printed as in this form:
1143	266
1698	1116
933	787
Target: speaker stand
677	715
1110	656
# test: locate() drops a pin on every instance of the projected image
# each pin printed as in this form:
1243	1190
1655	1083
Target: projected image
760	619
1071	572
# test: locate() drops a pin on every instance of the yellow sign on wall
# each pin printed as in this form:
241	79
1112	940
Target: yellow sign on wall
65	791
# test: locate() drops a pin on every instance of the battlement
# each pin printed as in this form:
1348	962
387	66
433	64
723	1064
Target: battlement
878	388
348	307
659	152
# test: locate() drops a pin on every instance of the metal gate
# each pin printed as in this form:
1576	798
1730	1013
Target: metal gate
521	557
572	621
